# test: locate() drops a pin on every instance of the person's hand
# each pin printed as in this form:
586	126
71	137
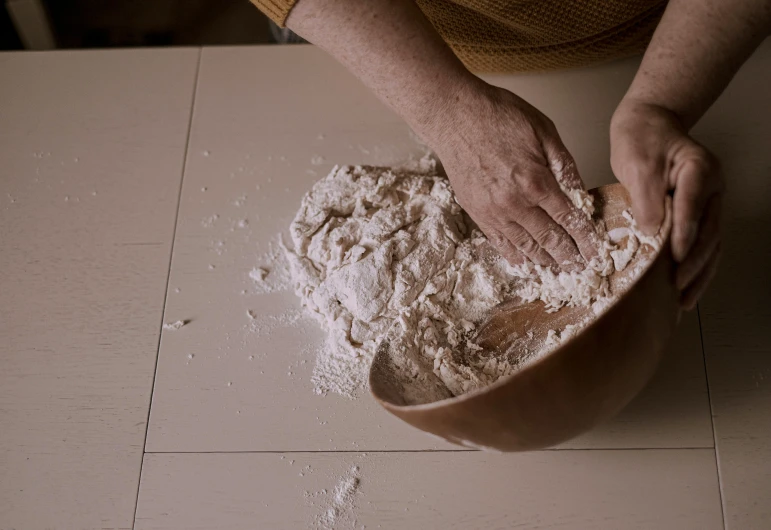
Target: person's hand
652	154
508	168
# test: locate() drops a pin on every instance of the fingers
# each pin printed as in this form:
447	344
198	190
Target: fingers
561	162
648	203
691	296
552	238
506	249
642	174
519	237
695	182
560	207
703	246
577	224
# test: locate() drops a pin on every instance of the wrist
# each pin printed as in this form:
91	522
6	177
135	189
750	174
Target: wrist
640	99
632	110
436	116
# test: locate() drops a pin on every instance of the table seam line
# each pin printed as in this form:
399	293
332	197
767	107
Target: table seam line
359	451
711	419
168	276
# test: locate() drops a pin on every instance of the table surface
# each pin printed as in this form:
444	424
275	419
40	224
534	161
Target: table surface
139	187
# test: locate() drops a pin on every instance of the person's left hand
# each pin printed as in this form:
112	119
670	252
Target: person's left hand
652	154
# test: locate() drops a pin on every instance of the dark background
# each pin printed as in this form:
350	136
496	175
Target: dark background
126	23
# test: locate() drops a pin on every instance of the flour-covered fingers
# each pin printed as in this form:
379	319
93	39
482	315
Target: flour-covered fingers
527	245
561	162
505	248
552	238
575	222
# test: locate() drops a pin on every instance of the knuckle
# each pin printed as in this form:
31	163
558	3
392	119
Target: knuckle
523	241
567	217
552	239
704	161
534	188
700	153
504	198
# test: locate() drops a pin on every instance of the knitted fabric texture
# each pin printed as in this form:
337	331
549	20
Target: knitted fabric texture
526	35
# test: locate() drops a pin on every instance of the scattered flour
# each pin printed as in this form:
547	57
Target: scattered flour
383	254
209	221
265	325
272	274
340	507
258	274
173	326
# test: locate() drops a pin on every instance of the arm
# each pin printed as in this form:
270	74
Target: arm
392	49
500	153
696	50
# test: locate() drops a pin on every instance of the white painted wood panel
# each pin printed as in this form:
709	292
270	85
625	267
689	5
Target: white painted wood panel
92	147
593	490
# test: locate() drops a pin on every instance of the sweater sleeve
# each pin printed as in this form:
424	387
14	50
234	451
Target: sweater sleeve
276	10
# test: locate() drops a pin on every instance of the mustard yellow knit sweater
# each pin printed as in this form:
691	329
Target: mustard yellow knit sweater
527	35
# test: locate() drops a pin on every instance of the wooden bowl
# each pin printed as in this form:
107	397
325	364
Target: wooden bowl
583	382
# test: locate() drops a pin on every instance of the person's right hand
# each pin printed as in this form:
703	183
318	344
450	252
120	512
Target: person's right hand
508	168
500	153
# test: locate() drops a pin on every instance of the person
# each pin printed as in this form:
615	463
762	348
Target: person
504	158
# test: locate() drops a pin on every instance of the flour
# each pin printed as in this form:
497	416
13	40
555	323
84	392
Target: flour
174	326
272	272
209	221
340	508
340	372
387	255
258	274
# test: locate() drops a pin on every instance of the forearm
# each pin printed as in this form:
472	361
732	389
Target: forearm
696	50
391	47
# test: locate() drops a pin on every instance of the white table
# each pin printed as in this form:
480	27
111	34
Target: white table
114	163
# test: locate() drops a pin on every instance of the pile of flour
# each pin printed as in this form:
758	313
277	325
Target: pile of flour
382	253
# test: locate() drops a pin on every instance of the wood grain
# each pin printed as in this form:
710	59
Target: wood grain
92	148
661	489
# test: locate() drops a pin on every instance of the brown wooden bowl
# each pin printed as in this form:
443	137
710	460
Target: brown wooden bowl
569	390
